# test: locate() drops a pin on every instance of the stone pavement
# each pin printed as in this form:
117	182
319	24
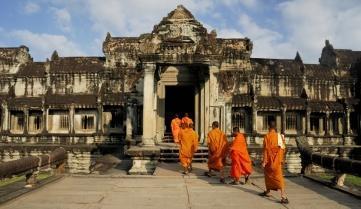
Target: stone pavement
169	189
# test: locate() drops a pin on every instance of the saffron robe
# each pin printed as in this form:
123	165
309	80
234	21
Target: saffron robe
241	162
217	149
188	140
187	120
273	156
175	125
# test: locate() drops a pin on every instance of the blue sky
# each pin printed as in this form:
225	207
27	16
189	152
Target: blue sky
278	28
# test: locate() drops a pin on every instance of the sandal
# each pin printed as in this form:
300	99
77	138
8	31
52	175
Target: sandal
207	174
284	200
222	180
234	183
246	180
264	194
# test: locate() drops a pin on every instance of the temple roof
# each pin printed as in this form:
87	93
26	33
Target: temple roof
346	57
76	99
77	65
32	69
283	67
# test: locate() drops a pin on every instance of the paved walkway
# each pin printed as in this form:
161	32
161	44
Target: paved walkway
171	190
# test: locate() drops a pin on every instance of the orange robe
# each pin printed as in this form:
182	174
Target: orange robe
241	162
217	149
273	158
188	140
187	120
175	125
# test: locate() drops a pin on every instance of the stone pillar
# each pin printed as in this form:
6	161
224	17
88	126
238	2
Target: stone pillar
254	119
202	116
148	91
5	117
71	119
327	124
348	126
308	121
100	118
45	119
283	116
129	124
207	105
196	109
26	120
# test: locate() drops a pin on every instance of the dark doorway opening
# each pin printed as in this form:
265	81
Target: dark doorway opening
178	100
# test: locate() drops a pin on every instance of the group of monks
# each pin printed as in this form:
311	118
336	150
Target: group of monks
219	149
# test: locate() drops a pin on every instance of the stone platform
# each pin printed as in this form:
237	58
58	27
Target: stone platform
167	188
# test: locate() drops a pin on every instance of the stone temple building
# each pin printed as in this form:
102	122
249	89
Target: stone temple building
125	100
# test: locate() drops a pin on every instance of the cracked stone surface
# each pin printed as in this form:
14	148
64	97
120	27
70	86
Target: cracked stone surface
173	190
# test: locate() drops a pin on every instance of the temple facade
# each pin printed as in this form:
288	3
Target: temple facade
98	105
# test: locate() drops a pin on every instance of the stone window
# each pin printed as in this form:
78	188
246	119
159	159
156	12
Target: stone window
238	119
335	124
117	119
87	122
17	121
315	124
291	121
266	119
64	121
19	125
35	122
353	122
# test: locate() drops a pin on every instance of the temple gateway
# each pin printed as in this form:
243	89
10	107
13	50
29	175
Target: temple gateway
122	103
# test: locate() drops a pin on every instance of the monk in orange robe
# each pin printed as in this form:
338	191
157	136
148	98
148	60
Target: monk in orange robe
241	162
186	119
273	155
188	140
175	125
217	150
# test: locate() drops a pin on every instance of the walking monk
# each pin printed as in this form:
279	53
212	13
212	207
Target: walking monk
241	162
273	154
175	125
186	119
188	140
217	150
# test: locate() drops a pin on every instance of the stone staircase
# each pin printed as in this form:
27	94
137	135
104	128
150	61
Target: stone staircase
169	151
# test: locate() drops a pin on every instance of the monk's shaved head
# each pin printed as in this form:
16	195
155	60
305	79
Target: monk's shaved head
235	129
186	114
215	124
272	124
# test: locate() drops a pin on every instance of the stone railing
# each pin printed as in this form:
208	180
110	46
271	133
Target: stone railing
341	166
30	166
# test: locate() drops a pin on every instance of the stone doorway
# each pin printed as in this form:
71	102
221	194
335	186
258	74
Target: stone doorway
178	99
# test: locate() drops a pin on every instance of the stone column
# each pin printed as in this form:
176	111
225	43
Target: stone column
308	121
100	118
283	116
202	116
348	126
207	105
254	119
26	120
5	117
71	119
148	91
45	119
196	108
129	124
327	123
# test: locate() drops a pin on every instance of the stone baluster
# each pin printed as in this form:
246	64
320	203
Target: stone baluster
308	121
327	123
26	120
283	127
71	118
348	126
129	123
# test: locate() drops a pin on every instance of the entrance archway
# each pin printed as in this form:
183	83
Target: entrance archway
178	100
